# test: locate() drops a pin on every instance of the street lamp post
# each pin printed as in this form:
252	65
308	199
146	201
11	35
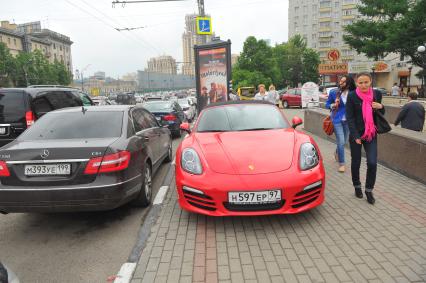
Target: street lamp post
409	78
374	70
422	51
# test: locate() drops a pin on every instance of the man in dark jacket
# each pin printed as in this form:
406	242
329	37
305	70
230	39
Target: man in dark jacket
412	114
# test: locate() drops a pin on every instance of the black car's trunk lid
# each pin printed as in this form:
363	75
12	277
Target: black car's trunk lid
51	162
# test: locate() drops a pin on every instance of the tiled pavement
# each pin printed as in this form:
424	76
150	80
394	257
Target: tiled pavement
344	240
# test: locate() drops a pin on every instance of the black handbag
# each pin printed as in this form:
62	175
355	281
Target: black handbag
382	125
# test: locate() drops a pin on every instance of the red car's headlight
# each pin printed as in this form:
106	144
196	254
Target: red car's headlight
190	161
308	156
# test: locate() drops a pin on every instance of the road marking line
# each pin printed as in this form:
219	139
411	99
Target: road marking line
126	272
160	195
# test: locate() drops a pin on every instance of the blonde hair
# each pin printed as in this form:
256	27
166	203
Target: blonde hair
271	87
261	85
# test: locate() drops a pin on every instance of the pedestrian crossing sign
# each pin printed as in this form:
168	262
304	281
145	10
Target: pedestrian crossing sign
204	25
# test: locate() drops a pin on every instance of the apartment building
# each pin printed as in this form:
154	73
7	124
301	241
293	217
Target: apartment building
322	22
29	37
162	64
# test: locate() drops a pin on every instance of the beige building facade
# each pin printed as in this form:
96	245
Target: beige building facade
321	23
29	37
162	64
189	39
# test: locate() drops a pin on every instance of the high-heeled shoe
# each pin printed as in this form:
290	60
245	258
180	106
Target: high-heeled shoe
370	197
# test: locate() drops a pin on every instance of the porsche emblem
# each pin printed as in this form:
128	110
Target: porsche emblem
251	167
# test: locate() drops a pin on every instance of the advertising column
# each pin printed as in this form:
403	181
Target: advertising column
213	72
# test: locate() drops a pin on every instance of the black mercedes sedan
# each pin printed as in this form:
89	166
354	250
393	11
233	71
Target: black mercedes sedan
83	159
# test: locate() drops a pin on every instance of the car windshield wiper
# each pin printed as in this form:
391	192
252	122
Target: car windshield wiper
255	129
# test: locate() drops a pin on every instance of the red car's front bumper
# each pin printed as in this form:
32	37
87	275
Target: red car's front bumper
215	188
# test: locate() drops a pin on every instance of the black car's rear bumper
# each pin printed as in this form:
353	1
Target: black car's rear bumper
68	199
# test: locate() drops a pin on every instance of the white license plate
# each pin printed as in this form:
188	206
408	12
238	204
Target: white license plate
158	118
47	169
254	197
2	131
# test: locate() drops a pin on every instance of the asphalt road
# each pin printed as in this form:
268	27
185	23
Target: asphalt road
72	247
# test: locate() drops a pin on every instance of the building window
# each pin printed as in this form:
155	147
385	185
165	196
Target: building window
314	27
323	53
315	7
8	40
347	22
325	44
314	36
325	25
296	9
325	4
347	12
336	34
349	1
325	14
336	4
54	46
325	33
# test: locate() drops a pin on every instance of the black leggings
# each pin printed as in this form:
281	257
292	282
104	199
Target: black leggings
371	152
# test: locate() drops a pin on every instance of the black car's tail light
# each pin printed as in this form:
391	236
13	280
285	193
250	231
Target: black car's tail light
169	117
108	163
4	171
29	117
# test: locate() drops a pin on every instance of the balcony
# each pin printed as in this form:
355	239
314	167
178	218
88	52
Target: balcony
325	19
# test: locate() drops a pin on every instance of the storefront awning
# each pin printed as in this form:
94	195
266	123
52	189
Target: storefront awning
403	73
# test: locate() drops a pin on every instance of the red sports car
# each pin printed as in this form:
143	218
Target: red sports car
244	158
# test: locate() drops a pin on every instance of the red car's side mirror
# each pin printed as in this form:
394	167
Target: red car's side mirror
185	127
297	121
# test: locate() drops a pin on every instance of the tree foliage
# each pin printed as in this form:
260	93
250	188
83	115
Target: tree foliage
29	69
388	27
286	64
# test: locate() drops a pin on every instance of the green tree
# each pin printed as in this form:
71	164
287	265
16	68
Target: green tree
255	65
7	65
388	27
296	63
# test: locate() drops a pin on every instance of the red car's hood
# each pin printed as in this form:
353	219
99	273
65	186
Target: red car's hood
248	152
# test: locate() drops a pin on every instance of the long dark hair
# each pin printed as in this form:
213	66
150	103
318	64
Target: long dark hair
350	82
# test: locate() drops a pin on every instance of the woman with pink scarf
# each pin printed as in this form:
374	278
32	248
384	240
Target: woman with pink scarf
361	106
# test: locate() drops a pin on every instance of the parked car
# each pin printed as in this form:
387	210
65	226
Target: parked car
168	113
21	107
228	164
126	99
83	159
101	100
188	108
383	91
293	97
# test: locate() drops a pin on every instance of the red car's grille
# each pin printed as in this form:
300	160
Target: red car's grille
199	200
254	207
306	197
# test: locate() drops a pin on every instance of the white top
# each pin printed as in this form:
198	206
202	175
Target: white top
266	97
344	98
395	90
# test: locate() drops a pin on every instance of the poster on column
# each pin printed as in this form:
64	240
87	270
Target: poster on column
212	73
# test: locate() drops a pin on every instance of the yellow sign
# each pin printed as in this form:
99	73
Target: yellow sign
95	91
333	68
204	25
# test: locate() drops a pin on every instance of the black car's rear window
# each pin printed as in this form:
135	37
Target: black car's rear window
76	125
12	106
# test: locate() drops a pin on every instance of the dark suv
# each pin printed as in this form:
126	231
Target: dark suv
21	107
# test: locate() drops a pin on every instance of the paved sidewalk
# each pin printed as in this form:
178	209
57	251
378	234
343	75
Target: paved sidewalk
344	240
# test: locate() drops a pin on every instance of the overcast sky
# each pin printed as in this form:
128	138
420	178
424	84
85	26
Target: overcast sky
90	25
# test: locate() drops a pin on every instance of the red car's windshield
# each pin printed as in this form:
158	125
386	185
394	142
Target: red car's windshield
241	117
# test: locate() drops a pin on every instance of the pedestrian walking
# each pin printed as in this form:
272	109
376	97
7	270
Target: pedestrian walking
412	114
336	102
395	90
361	105
274	96
262	94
